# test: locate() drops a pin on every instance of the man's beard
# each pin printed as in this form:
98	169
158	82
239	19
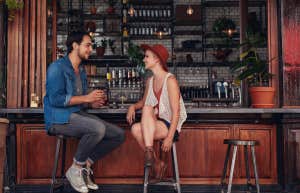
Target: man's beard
82	56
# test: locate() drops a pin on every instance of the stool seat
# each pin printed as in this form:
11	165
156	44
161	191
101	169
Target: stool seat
240	142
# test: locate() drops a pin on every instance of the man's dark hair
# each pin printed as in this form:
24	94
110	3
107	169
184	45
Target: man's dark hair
75	36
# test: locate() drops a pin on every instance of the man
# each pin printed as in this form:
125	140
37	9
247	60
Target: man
66	96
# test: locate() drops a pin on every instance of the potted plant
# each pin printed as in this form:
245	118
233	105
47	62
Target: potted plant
255	72
111	9
136	57
221	48
100	47
93	8
13	6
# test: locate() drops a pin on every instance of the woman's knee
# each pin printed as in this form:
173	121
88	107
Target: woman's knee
136	129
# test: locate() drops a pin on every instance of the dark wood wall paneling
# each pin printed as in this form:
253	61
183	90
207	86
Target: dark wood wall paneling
200	150
26	63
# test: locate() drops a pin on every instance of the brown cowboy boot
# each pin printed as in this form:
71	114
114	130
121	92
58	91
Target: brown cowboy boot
149	156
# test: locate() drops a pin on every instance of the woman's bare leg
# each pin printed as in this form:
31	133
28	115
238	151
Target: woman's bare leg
137	133
148	125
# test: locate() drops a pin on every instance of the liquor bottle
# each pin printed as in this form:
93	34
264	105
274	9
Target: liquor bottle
125	32
124	77
129	78
133	78
113	77
120	78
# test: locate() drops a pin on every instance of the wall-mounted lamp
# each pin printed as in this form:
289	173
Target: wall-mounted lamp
160	32
229	32
131	11
189	10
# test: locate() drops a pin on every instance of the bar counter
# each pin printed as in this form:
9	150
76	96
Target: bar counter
200	150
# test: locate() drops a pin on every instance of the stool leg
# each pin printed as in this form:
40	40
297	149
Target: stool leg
146	178
175	166
225	168
63	158
247	167
255	169
232	168
55	165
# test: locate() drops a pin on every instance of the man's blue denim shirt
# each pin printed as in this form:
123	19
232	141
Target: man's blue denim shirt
60	87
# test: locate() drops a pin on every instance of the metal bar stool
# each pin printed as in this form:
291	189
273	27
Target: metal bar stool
58	183
173	182
236	143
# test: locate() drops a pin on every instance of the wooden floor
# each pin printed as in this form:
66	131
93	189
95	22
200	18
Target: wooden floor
153	189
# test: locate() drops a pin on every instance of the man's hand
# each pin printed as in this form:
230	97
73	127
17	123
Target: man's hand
98	104
96	95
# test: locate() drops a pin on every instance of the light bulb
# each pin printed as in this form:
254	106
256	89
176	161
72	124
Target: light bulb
189	10
131	11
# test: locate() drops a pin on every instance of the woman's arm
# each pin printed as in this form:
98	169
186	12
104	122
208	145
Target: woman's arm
174	96
139	105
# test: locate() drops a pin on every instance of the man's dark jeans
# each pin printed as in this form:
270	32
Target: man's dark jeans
97	137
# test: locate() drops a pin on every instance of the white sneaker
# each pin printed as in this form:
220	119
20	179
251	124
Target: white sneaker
75	177
89	180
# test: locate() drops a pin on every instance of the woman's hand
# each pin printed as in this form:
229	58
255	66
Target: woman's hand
167	144
130	114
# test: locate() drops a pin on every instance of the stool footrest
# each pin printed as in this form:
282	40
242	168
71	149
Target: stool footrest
166	182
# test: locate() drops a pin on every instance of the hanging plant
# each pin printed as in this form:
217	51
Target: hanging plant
13	6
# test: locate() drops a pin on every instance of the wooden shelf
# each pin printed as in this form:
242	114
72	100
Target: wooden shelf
151	19
233	3
101	16
191	23
152	2
205	64
113	59
140	37
188	32
188	49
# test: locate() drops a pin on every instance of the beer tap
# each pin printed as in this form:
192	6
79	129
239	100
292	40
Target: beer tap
219	84
225	84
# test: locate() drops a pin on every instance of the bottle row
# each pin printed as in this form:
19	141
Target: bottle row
146	30
191	92
124	78
147	12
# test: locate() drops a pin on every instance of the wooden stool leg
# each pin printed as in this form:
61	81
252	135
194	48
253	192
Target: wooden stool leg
55	165
225	168
247	167
232	168
255	169
175	166
146	178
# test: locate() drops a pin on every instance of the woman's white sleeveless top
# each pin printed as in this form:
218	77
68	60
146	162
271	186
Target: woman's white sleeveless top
165	111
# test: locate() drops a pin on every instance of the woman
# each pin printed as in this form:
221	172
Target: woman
163	111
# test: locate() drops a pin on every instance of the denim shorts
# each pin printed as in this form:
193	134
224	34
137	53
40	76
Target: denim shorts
176	134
